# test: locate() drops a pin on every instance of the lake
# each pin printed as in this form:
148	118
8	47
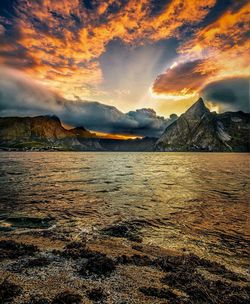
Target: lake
192	202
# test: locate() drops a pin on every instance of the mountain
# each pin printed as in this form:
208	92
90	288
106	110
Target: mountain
39	127
47	133
198	129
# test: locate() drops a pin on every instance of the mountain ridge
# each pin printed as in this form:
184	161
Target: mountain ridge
198	129
46	132
48	126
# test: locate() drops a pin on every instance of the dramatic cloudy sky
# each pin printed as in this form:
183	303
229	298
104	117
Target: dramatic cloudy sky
158	56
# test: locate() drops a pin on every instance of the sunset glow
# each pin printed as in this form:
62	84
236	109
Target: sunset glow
128	54
124	151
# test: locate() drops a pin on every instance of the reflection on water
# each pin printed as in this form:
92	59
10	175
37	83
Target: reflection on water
192	201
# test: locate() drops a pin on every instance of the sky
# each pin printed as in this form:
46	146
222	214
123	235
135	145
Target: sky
126	63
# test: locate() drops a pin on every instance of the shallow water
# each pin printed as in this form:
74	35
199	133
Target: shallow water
197	202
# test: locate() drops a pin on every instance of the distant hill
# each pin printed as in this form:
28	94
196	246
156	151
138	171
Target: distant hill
47	133
198	129
39	127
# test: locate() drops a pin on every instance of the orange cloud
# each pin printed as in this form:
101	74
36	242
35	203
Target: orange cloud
225	42
229	31
221	50
182	80
63	39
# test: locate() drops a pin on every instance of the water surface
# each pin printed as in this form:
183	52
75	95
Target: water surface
196	202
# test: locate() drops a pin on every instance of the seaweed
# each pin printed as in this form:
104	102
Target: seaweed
11	250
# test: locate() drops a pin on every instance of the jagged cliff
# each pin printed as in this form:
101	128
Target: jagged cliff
198	129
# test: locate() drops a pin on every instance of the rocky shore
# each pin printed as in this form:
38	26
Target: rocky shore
111	266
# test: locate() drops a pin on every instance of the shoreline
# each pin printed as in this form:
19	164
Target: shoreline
39	267
111	151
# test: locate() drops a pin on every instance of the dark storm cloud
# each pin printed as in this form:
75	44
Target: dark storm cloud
20	96
147	119
101	117
7	8
231	94
88	4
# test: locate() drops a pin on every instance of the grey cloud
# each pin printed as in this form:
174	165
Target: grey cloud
231	94
21	96
147	119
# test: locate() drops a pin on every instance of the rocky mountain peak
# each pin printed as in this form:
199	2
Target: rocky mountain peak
198	109
198	129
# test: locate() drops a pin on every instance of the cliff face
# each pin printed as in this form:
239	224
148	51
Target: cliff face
39	127
39	132
200	130
47	133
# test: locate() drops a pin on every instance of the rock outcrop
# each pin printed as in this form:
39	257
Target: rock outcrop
198	129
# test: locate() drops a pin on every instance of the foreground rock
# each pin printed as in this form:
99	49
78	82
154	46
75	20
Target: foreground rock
8	291
99	265
97	295
112	270
11	250
67	298
127	230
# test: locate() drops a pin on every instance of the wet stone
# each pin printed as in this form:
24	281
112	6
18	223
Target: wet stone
201	290
99	264
30	222
67	298
38	262
36	300
124	230
8	291
136	259
97	295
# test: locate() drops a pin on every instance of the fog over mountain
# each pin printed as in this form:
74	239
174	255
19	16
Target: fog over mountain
22	96
231	94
